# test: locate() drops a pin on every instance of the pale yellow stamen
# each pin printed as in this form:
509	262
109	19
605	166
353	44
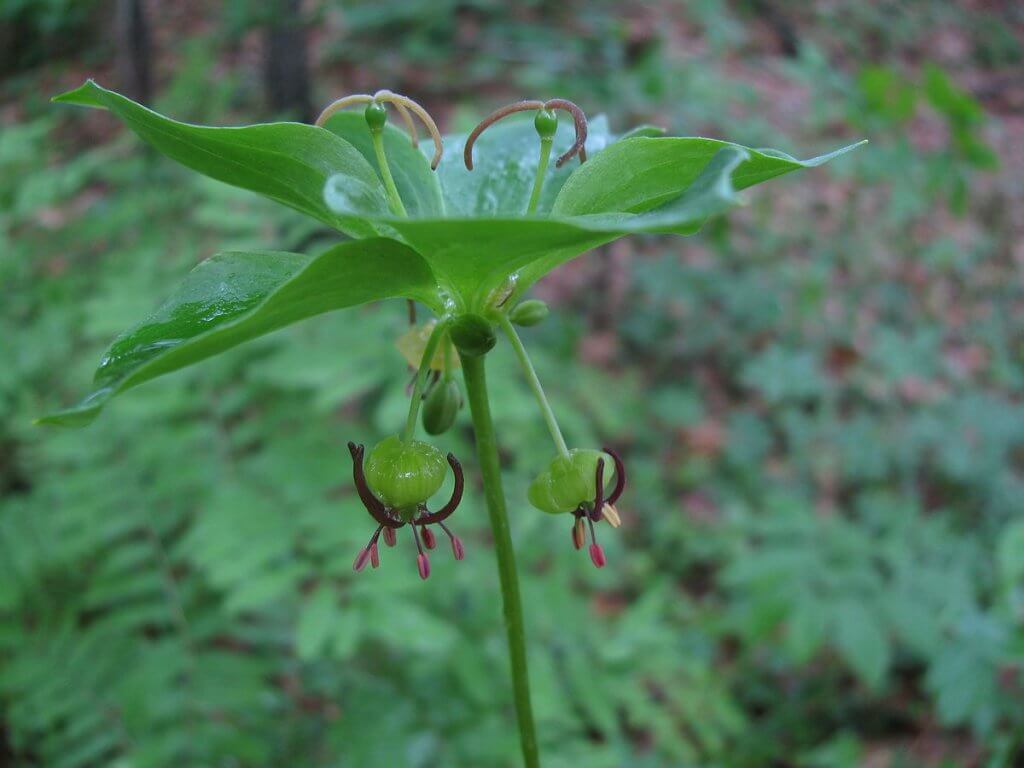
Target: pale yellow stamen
342	103
422	114
579	533
410	126
404	105
611	514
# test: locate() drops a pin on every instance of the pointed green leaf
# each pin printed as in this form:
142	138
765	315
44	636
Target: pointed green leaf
417	184
287	162
650	131
713	192
473	256
234	297
640	174
710	194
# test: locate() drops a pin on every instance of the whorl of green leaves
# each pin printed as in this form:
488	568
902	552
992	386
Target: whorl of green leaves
465	235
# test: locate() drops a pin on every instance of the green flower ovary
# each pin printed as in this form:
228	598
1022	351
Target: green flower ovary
404	475
546	123
376	116
568	481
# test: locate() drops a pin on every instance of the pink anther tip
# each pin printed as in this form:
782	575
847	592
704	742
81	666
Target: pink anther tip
361	559
457	549
374	555
429	539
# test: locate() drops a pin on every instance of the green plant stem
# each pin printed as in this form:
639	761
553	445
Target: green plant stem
421	377
385	171
542	167
535	385
487	453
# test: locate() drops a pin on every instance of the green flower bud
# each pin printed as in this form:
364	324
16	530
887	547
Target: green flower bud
376	116
441	407
472	335
568	481
529	312
405	474
546	123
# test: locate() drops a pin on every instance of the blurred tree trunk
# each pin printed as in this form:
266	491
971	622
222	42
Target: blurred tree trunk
773	13
8	46
133	50
286	69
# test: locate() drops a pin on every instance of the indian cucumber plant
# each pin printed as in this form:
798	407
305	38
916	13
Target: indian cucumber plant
463	227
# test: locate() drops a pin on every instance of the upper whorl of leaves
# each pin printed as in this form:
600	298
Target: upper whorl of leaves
466	235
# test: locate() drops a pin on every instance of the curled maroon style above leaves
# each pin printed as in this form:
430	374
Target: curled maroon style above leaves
579	119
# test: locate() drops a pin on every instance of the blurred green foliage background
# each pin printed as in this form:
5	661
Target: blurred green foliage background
819	399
